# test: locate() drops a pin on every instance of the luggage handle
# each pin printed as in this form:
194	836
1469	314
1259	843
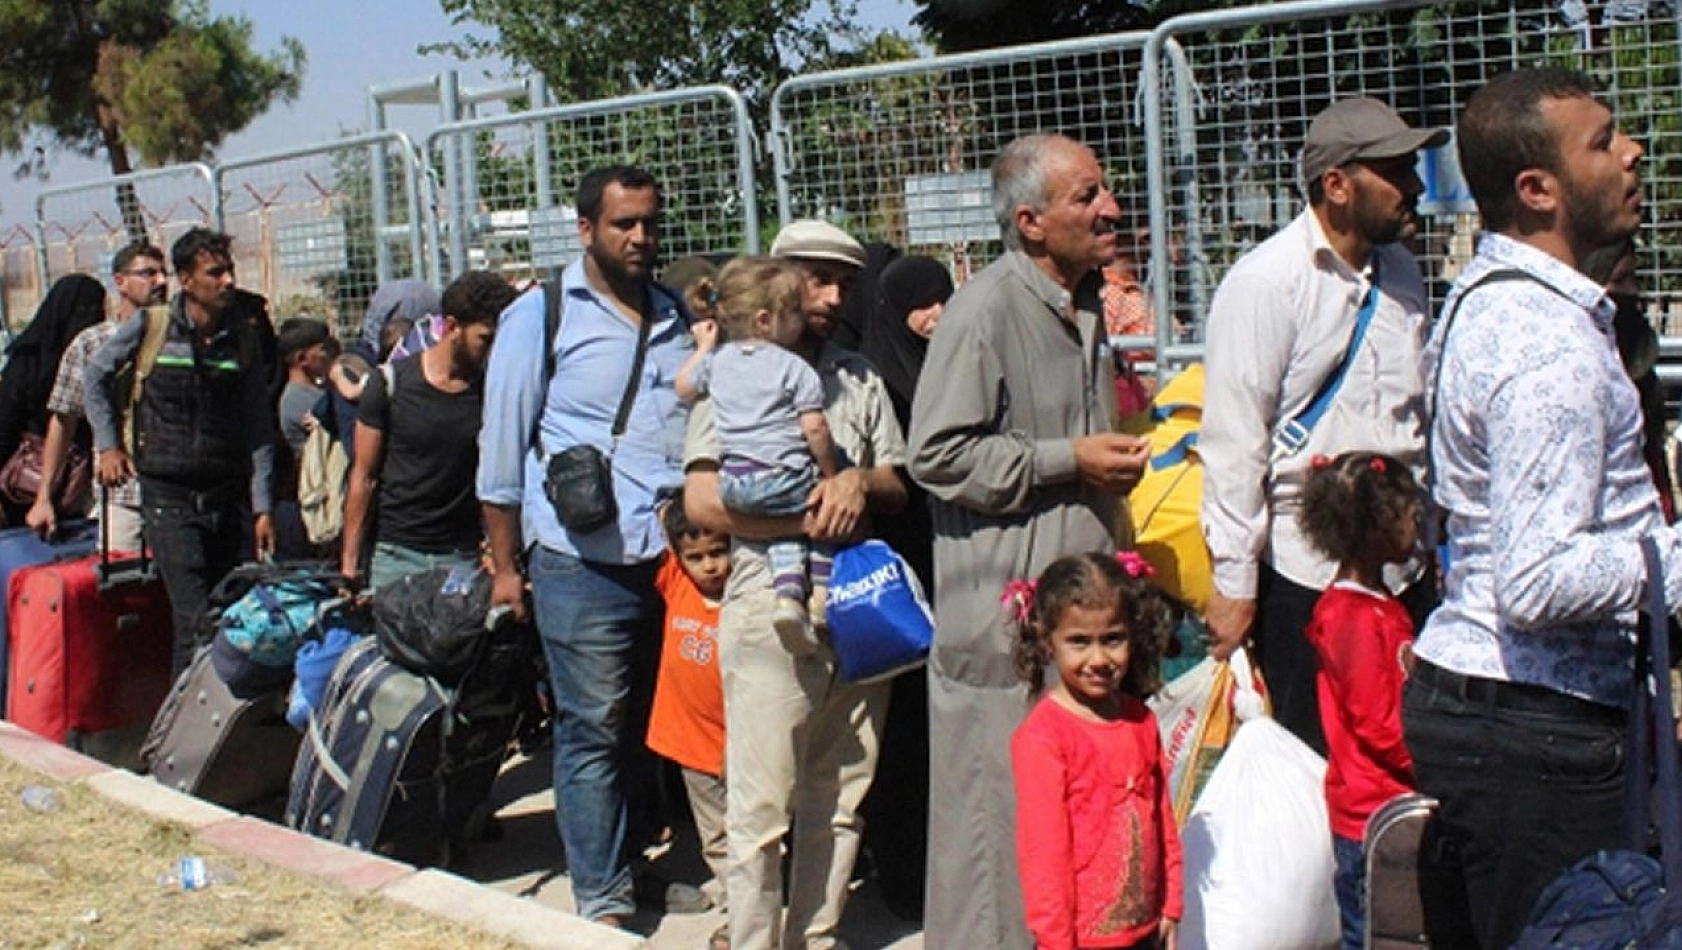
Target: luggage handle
109	574
324	754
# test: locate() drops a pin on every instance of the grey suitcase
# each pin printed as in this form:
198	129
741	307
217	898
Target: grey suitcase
1395	915
236	753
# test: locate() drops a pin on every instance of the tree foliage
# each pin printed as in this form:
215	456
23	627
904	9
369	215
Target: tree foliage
589	50
162	79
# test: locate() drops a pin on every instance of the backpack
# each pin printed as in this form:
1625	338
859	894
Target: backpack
1166	505
323	468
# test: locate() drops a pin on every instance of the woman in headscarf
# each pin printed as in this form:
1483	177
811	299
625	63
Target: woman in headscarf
73	304
910	295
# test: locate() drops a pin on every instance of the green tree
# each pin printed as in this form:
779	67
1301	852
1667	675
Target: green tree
161	79
589	50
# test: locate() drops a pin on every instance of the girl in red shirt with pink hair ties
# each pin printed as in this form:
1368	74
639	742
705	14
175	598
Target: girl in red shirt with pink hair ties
1360	509
1096	843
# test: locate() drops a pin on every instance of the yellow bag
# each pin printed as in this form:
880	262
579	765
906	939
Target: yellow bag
1166	504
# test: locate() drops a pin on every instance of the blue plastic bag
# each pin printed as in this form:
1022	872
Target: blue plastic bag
314	666
879	620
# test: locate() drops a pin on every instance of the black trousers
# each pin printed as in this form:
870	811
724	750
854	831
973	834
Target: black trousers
196	537
1529	781
1287	660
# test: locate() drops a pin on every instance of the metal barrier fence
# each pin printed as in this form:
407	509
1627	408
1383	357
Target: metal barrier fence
901	152
318	229
508	182
20	279
79	227
1241	86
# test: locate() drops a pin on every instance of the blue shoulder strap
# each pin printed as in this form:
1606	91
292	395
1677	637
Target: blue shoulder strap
1289	438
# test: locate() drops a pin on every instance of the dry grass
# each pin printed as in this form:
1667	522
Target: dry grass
86	877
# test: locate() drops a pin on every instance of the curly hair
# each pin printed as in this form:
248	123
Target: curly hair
1095	581
1355	504
477	297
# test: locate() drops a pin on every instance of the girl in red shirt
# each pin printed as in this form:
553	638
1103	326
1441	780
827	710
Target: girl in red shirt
1361	510
1096	844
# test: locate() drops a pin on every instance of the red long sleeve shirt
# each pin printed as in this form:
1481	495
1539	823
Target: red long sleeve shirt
1096	843
1364	639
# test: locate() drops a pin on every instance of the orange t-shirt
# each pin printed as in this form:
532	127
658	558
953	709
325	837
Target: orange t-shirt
687	721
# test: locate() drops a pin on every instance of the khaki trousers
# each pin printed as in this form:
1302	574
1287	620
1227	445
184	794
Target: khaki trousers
801	744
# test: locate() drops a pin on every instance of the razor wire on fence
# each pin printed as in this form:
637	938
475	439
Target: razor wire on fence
318	229
518	215
902	152
80	227
1241	86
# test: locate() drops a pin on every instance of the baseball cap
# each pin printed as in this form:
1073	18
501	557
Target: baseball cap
814	240
1360	128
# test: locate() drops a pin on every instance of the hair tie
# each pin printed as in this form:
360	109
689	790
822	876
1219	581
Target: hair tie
1018	599
1135	566
1377	465
1319	461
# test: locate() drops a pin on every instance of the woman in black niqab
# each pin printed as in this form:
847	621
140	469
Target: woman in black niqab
73	304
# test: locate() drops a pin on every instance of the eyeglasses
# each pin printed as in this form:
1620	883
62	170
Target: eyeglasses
146	273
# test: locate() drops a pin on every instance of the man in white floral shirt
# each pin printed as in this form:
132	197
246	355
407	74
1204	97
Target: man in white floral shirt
1515	713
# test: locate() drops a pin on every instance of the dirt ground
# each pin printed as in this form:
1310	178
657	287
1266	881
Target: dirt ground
86	876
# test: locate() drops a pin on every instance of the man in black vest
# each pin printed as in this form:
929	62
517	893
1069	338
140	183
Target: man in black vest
203	431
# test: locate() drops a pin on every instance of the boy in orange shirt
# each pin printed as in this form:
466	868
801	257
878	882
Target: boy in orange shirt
686	724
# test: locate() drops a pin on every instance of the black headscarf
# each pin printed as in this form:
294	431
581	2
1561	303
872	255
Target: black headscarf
854	312
73	304
907	284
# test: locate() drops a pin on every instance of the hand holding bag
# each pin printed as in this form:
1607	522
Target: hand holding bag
1620	898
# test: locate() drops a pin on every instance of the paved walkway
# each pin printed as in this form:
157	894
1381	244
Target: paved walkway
523	861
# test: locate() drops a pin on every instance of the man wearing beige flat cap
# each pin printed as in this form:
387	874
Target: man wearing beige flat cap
1313	348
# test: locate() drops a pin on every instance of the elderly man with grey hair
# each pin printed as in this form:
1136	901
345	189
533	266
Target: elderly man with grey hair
1010	434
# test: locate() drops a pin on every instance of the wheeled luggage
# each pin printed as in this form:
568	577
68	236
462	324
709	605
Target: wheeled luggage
90	652
237	753
1394	912
20	548
397	764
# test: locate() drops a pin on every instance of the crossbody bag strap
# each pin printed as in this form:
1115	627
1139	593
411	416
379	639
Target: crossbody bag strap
1501	275
644	326
1655	731
551	329
1290	437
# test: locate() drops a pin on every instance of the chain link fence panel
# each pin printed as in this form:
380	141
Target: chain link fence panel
508	183
80	227
1241	86
318	229
901	152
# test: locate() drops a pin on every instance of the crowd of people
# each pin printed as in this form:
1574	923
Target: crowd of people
656	474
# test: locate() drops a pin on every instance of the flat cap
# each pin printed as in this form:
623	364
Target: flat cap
814	240
1360	128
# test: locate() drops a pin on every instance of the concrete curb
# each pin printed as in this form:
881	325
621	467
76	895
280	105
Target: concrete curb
433	892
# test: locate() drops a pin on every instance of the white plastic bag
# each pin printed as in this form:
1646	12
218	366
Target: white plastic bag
1258	847
1197	717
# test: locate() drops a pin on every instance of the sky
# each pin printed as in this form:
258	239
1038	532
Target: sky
351	45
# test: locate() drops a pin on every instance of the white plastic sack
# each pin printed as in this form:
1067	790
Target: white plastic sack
1258	848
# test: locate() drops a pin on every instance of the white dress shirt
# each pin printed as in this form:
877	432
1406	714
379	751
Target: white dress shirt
1280	322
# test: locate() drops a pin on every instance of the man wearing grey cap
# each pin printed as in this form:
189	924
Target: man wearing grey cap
803	744
1313	348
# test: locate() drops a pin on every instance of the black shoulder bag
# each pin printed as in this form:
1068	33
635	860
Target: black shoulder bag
578	480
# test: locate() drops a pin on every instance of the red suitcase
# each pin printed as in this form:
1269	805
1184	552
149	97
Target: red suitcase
89	667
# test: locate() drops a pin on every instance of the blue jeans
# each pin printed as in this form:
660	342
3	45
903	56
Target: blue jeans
600	625
777	492
1349	881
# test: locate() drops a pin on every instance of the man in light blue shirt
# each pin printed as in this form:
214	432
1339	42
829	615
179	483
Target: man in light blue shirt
593	589
1515	711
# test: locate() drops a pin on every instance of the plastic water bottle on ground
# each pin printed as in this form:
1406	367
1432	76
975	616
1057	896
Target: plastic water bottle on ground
42	800
191	873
